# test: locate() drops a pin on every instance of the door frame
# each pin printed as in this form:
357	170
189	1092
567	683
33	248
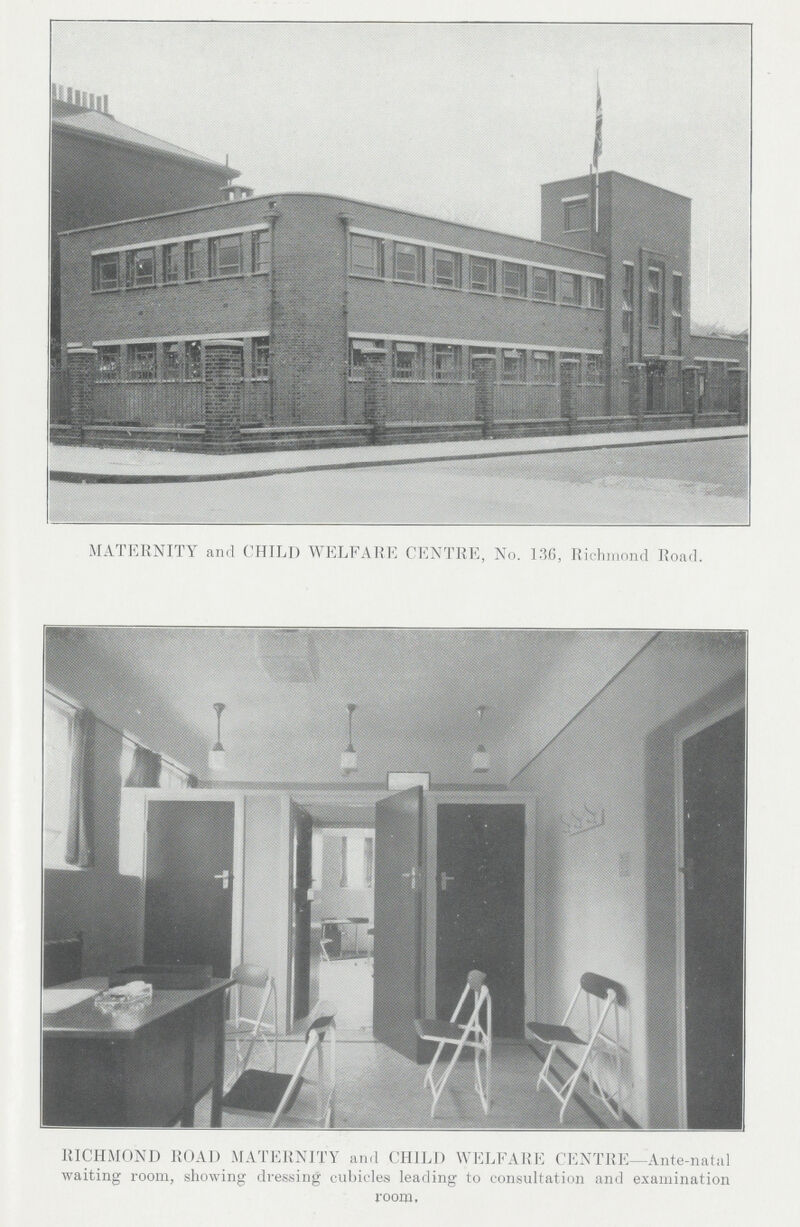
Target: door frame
237	894
431	802
697	726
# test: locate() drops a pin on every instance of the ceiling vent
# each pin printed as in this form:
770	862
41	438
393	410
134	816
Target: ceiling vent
288	657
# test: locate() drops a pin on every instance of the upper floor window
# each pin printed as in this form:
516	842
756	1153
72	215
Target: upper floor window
446	363
571	289
225	255
576	213
627	287
260	357
543	284
514	280
105	271
192	255
654	297
677	294
596	291
260	251
140	267
447	269
171	261
408	360
482	274
409	262
366	255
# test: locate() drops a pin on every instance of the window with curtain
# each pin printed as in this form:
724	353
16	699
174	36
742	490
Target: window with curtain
58	722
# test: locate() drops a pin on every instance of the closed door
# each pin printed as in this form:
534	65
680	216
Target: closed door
397	951
655	387
713	906
189	883
480	883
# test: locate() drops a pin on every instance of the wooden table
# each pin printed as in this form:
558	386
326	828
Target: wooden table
146	1066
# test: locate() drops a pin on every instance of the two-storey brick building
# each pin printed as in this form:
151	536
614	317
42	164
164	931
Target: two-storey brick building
310	282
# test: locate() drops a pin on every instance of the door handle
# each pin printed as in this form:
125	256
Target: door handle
223	877
688	873
444	878
412	874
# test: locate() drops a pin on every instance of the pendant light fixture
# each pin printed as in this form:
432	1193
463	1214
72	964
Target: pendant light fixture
480	759
349	760
216	755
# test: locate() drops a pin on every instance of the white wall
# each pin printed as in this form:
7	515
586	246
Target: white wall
590	913
265	927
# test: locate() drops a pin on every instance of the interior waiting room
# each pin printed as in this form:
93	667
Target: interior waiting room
365	878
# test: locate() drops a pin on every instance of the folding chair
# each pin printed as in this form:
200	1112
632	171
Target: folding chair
602	996
247	1032
260	1092
472	1033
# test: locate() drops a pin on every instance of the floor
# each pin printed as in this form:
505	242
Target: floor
348	982
698	482
377	1088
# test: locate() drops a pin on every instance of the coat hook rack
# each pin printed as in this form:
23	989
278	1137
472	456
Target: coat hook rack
586	820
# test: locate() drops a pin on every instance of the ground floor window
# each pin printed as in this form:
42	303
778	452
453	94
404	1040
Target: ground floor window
357	350
512	366
595	369
260	357
446	363
193	359
142	362
408	360
108	363
543	367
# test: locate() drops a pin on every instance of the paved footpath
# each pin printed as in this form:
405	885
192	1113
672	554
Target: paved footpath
128	466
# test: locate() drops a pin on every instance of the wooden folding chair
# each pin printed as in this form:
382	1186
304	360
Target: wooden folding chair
475	1032
260	1092
602	996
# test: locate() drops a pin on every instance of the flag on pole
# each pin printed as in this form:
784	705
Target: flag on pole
598	127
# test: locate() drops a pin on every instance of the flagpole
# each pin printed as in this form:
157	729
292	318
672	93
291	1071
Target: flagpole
597	163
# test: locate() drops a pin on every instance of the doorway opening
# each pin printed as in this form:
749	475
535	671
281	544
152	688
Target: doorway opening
334	912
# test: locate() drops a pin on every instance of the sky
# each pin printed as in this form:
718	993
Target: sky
457	120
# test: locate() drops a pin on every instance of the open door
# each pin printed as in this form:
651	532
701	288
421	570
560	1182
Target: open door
189	883
398	921
713	906
302	828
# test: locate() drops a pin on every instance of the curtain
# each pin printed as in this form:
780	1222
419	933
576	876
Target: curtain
145	769
369	845
80	824
343	862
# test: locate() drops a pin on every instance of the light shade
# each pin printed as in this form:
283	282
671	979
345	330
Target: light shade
216	758
349	761
480	761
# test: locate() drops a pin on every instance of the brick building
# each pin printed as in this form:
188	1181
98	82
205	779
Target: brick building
311	283
103	170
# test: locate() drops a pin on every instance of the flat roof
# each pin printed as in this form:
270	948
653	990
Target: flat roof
619	174
345	200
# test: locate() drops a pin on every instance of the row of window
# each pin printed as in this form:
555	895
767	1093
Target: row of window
180	361
379	258
410	362
224	255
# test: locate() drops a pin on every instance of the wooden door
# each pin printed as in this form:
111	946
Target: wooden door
189	883
397	953
302	829
713	903
480	909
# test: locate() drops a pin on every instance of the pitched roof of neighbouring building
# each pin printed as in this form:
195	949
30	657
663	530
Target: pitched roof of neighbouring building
99	125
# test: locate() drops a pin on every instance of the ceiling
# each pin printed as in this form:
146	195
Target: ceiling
416	693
